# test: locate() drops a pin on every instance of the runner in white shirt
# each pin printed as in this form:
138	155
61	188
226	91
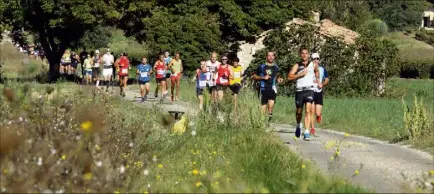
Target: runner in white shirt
108	60
211	67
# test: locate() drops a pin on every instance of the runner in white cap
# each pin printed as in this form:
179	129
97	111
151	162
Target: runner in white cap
318	93
96	69
211	66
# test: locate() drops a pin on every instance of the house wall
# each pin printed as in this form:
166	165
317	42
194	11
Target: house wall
429	14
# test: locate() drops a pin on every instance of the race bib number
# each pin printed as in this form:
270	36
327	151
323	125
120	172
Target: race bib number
202	83
223	80
160	72
144	74
124	71
237	74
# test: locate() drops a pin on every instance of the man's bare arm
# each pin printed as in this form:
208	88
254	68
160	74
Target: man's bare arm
291	75
316	70
326	81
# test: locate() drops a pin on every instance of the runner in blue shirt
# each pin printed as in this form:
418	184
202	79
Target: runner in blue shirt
143	72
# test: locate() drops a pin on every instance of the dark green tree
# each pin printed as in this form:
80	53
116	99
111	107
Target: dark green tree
58	23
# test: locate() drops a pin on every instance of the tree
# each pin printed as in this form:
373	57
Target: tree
399	14
58	23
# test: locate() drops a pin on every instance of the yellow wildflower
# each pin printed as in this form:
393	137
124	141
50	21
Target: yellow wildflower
194	163
97	147
63	157
303	166
214	152
356	172
5	171
295	138
337	153
86	126
195	172
264	190
203	172
431	172
332	158
146	192
158	177
87	176
160	166
117	192
198	184
347	134
419	190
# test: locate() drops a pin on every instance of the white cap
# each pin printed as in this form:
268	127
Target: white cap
315	55
97	51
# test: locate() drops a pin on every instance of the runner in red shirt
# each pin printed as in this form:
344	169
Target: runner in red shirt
124	65
160	76
223	76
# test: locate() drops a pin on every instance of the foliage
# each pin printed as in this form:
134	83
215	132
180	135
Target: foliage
423	68
426	36
352	14
398	14
375	28
58	23
94	38
119	44
417	123
356	69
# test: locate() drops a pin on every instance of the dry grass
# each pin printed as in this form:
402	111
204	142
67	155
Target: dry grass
16	64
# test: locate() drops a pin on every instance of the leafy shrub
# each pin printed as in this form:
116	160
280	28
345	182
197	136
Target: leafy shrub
426	36
418	123
120	43
355	70
95	38
375	27
416	69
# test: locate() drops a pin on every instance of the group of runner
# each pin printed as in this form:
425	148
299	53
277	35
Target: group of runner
310	78
215	76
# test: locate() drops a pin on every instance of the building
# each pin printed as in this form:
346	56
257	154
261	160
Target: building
428	19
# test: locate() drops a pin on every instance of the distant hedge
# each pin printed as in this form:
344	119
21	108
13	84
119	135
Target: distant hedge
422	69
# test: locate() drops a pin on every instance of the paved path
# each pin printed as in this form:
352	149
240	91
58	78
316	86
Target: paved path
384	164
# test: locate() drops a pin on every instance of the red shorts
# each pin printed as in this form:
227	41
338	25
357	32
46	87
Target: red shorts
176	77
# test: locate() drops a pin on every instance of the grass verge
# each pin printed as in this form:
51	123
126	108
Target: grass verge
59	138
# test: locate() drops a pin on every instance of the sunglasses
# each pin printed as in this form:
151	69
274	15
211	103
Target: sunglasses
316	59
224	59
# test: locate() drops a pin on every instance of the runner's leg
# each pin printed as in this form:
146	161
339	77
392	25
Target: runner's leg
172	87
178	86
147	88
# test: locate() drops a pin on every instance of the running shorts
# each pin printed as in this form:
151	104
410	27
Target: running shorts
96	71
66	64
318	97
143	82
160	79
302	97
174	77
107	72
88	72
266	95
222	87
74	65
235	88
168	75
199	91
211	88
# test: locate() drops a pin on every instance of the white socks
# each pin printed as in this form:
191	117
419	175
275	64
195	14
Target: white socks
299	125
307	131
97	83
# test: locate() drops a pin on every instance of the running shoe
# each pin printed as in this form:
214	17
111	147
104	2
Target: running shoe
312	131
306	136
318	119
145	98
297	132
165	93
156	95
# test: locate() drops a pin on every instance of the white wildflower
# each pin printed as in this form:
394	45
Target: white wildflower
193	132
39	161
131	144
146	172
99	163
122	169
154	158
21	119
53	151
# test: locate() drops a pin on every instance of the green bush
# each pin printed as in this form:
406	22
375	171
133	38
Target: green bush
426	36
423	68
375	27
418	123
350	75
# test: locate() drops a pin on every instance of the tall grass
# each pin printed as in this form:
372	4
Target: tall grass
72	140
380	118
16	64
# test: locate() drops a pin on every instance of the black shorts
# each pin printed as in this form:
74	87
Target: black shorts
222	87
301	97
168	75
74	65
66	64
266	95
199	91
318	98
160	79
235	88
142	82
96	71
211	88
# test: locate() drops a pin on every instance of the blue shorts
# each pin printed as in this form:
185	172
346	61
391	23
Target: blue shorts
87	72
